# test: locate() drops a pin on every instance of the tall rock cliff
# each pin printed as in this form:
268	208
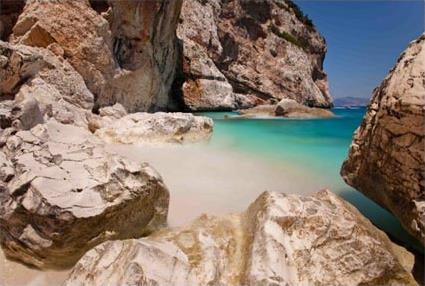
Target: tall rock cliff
386	158
126	54
243	53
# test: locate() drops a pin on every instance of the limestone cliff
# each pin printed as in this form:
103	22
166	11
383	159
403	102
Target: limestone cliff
386	159
242	53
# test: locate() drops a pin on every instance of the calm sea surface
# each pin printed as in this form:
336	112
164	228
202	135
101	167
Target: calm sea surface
315	147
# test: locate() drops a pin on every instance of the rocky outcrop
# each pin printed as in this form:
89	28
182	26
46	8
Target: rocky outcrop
130	59
62	193
263	51
156	127
387	155
80	35
288	108
280	240
47	83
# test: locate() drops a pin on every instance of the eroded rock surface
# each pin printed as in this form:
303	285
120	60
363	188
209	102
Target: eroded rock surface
130	59
43	81
63	193
387	155
156	127
263	50
280	240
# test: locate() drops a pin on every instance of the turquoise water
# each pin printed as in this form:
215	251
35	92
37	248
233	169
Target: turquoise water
316	146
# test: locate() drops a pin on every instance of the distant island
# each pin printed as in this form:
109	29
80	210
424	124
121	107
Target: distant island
349	101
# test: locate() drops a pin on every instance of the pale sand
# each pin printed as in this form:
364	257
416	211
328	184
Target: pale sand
201	179
208	180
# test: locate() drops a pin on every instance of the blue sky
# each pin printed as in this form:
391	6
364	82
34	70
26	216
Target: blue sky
364	39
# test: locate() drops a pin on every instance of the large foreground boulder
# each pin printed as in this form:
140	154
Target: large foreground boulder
279	240
387	155
242	53
63	193
129	59
156	127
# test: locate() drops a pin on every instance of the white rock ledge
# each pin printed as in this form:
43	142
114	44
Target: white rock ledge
160	127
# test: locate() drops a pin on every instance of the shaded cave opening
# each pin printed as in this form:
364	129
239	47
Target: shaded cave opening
9	13
99	6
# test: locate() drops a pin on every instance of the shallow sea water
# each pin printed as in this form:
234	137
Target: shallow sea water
315	147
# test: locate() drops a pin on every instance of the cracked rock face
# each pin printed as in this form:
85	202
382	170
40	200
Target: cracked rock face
63	193
279	240
263	51
387	155
125	55
156	127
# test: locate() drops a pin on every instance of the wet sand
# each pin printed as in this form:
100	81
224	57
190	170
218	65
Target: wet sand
201	179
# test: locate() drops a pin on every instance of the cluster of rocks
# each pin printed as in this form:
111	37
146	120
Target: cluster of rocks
386	158
288	108
61	191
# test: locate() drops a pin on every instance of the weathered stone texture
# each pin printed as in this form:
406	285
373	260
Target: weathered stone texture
387	155
280	240
63	193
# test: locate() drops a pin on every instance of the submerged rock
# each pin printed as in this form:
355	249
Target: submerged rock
292	109
387	155
279	240
156	127
130	59
263	50
288	108
65	194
